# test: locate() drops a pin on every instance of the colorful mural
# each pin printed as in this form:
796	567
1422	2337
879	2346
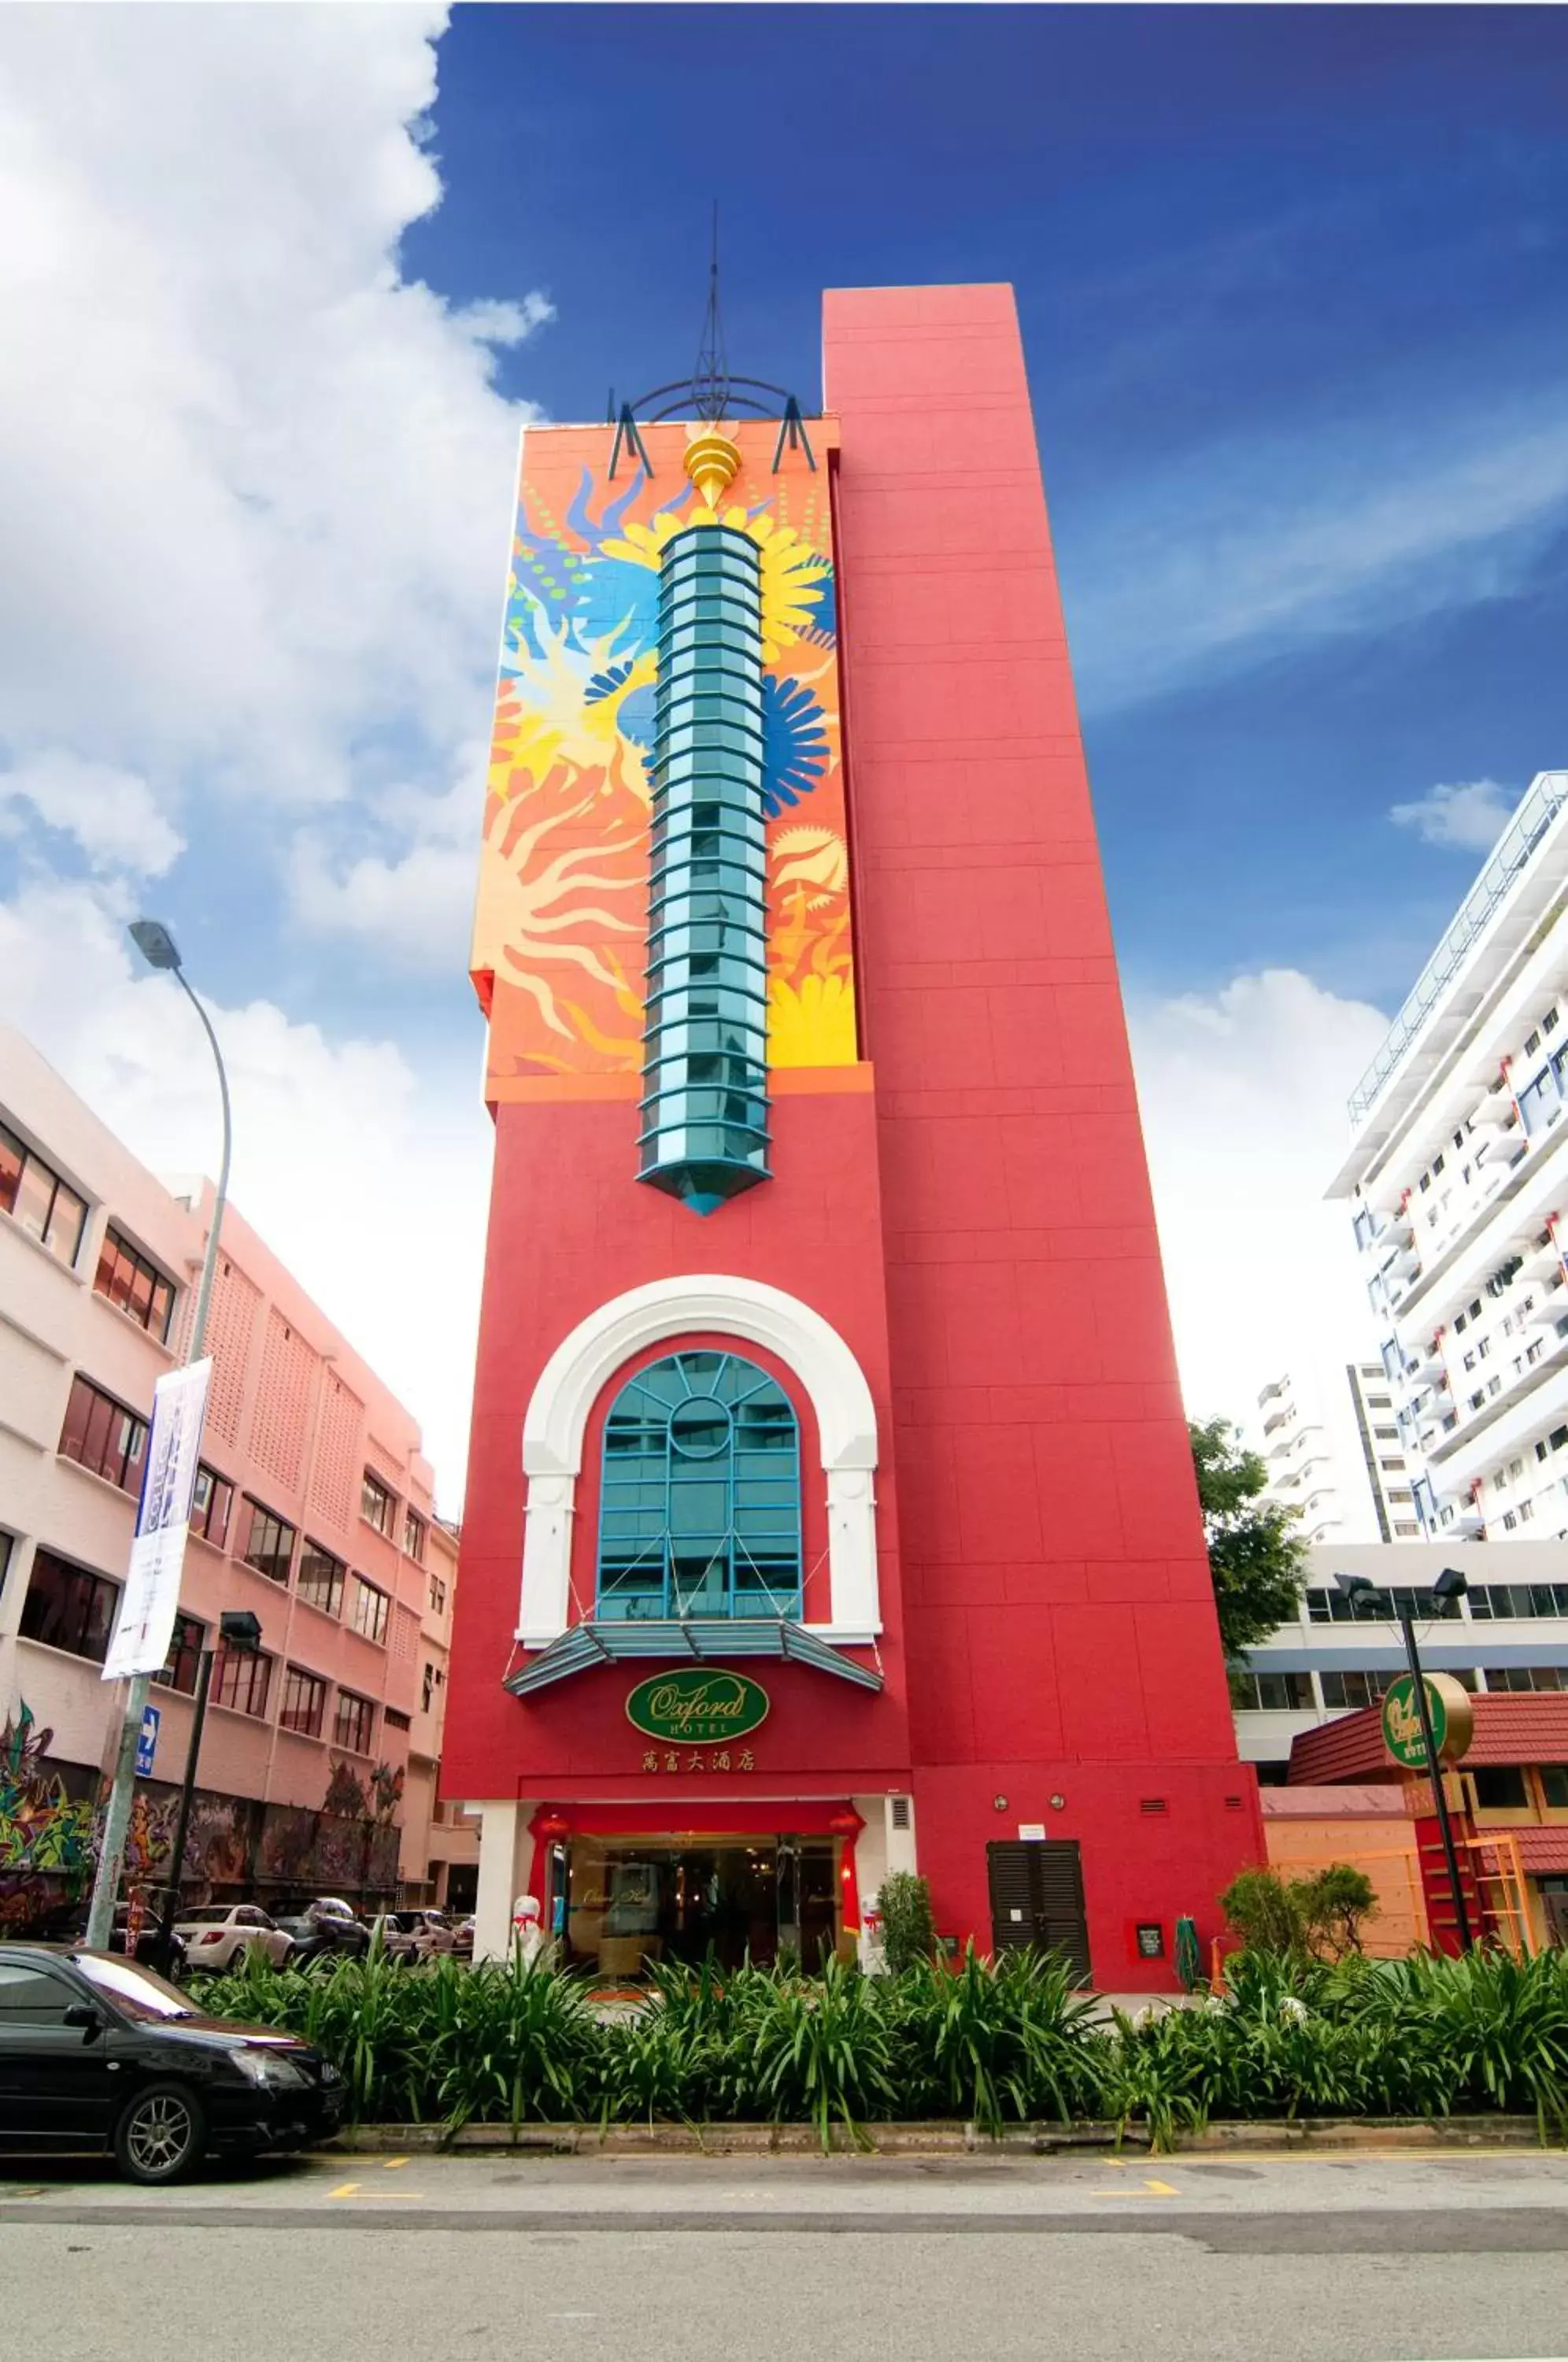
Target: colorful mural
48	1834
562	913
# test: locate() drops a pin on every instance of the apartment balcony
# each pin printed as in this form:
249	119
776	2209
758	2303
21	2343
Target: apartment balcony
1506	1222
1541	1263
1431	1369
1536	1401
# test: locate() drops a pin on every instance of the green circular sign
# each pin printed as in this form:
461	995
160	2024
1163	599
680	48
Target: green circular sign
1454	1722
1402	1723
697	1705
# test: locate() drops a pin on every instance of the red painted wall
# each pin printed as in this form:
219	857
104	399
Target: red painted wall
1059	1624
571	1226
979	1232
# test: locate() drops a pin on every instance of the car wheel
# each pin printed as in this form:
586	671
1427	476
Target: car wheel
162	2135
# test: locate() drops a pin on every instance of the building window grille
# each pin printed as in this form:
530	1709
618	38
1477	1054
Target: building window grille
241	1678
180	1666
100	1434
699	1496
376	1504
353	1723
322	1578
69	1608
305	1699
136	1286
33	1193
270	1548
371	1610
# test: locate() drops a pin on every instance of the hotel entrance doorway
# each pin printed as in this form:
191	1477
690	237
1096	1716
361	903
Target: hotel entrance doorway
630	1900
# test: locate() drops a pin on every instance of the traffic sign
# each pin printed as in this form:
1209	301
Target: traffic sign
147	1743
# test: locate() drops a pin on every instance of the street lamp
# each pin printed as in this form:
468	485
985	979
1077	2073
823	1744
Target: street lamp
1448	1588
158	948
240	1631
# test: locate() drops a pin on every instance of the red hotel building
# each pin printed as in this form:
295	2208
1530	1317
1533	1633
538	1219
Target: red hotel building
830	1509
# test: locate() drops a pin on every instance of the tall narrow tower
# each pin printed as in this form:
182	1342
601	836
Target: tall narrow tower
830	1509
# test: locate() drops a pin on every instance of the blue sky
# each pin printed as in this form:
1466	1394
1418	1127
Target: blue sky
1273	266
283	283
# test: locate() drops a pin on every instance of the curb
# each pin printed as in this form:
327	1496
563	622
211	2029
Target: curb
1339	2134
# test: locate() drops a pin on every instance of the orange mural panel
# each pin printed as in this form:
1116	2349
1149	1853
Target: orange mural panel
560	928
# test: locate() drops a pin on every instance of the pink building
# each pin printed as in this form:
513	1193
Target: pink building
319	1761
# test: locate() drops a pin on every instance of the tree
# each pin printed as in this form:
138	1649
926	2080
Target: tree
1256	1561
1321	1915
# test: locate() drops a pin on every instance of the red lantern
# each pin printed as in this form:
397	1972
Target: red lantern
552	1824
845	1824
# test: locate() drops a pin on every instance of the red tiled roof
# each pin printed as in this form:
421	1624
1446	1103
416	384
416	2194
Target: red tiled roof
1543	1852
1511	1728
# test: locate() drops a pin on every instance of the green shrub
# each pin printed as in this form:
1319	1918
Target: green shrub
1264	1913
1292	2035
908	1931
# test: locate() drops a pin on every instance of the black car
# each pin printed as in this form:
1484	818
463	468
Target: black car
318	1935
98	2054
150	1944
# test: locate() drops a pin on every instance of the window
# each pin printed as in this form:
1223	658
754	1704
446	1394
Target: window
32	1997
100	1434
33	1193
700	1506
437	1596
353	1723
1549	1023
1554	1778
304	1698
1499	1787
394	1720
1526	1677
180	1666
1490	1602
414	1535
321	1579
1533	1043
210	1507
128	1279
270	1548
428	1687
241	1678
1540	1100
376	1504
371	1607
1271	1693
69	1608
1352	1690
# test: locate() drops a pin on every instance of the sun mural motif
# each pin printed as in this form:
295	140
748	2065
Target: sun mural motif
561	924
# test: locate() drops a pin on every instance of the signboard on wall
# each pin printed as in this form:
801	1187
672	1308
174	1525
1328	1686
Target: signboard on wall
145	1626
697	1705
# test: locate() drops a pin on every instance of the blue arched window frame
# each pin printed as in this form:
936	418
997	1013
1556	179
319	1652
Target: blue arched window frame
700	1493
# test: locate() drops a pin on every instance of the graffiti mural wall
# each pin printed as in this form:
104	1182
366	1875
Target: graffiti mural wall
561	924
49	1819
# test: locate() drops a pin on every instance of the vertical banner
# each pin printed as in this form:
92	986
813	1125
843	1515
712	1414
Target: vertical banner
151	1596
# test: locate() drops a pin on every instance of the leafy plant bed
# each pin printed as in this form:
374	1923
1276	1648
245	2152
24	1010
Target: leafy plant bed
993	2045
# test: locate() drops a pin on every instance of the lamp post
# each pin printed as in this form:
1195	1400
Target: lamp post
241	1631
157	946
1447	1590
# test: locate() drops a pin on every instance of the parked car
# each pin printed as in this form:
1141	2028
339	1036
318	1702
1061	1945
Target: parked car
221	1934
413	1934
98	2055
150	1942
332	1906
317	1935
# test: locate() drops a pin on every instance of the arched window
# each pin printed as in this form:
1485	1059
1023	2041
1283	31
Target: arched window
699	1495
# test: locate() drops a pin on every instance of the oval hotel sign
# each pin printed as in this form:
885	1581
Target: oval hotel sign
697	1705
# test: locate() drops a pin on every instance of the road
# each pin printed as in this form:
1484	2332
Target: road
1364	2259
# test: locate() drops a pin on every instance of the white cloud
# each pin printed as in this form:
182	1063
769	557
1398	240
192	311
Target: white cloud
1236	549
369	1180
109	812
255	482
1243	1095
1470	816
415	907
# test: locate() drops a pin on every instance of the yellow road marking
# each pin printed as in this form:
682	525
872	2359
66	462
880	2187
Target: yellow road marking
1161	2189
393	2163
1150	2190
344	2190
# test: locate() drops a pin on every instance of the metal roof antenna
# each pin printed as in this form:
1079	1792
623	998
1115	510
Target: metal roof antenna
711	378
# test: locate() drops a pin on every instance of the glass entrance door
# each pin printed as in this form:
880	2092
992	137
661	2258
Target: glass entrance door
633	1900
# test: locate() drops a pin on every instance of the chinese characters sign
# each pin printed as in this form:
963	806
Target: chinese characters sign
717	1758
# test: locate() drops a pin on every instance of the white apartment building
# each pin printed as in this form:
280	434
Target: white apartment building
1457	1181
1332	1442
1511	1633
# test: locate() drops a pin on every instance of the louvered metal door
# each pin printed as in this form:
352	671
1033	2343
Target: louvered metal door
1037	1897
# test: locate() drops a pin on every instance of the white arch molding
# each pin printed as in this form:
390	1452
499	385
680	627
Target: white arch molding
713	1303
